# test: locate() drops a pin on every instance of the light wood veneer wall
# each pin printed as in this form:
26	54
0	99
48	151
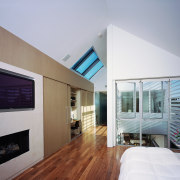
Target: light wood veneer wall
17	52
57	81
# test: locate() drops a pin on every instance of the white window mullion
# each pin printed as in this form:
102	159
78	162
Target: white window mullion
134	105
169	106
140	109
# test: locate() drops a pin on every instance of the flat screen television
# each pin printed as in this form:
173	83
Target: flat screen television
16	91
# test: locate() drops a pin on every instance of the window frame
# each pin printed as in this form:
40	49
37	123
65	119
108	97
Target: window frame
90	67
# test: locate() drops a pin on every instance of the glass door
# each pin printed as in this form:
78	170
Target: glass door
127	113
154	123
142	113
174	124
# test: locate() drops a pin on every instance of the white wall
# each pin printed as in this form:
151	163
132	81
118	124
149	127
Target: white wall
129	57
11	122
156	21
100	80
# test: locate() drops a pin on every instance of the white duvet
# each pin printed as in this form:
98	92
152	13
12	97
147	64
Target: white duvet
152	163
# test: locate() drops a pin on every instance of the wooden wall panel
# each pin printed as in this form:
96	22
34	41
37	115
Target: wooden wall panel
16	52
90	110
83	109
87	109
56	125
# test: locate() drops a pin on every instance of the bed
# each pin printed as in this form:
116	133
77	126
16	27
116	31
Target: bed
151	163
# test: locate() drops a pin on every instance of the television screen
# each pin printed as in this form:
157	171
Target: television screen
16	91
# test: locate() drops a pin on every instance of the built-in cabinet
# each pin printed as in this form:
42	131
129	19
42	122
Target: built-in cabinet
82	110
56	116
65	107
87	109
76	125
75	104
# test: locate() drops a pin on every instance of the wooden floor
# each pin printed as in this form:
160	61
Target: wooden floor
85	158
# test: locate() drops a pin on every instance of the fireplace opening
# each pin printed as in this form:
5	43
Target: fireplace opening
13	145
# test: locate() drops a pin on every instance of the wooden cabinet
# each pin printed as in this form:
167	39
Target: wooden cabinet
90	109
57	113
56	116
83	109
87	109
76	129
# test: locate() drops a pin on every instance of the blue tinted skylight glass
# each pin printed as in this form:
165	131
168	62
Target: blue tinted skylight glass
94	70
87	63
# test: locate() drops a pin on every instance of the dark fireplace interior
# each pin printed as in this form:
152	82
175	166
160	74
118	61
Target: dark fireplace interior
13	145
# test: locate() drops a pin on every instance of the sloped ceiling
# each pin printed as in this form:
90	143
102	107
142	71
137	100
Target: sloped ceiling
156	21
61	27
57	27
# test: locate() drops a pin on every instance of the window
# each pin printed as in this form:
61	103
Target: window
88	65
148	113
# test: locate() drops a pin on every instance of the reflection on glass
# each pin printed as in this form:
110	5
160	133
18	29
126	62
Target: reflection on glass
155	133
175	114
175	100
154	120
128	132
127	100
145	101
175	135
154	99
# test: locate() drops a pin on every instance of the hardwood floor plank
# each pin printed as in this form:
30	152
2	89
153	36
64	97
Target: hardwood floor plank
86	157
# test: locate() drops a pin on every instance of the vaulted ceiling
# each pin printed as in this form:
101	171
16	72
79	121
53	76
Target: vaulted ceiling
62	27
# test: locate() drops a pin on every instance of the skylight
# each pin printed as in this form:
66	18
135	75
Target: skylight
88	65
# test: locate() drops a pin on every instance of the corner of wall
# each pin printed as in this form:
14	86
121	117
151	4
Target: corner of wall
109	86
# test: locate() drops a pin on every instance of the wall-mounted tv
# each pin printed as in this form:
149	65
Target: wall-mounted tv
16	91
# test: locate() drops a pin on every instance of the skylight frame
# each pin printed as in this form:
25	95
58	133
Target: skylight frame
87	69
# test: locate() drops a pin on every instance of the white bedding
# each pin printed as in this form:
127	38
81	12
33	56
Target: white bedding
152	163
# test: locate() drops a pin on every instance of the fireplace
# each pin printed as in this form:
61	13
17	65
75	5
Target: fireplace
13	145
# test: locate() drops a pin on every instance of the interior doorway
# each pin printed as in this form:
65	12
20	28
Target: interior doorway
101	108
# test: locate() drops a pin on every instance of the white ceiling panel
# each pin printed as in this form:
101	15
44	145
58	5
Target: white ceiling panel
70	27
56	27
156	21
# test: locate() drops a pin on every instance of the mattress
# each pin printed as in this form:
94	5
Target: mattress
149	163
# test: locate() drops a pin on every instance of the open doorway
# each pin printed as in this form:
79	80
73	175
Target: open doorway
101	108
